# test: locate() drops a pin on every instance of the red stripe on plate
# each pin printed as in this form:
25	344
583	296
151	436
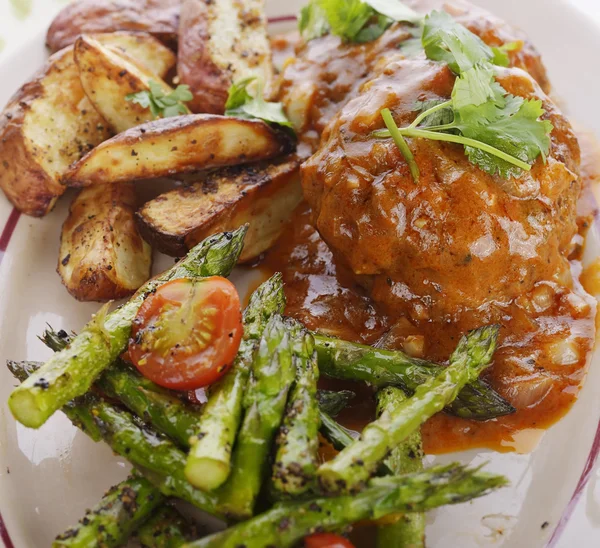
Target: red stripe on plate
282	19
4	535
8	230
5	237
583	479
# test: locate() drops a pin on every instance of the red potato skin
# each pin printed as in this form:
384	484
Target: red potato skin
157	17
208	82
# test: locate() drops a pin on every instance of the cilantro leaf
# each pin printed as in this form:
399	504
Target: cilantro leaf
161	104
242	104
439	117
395	10
448	41
501	52
515	129
346	17
476	86
353	20
312	22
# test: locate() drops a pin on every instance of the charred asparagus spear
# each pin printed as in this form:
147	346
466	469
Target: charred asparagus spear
118	514
157	458
406	458
71	372
351	361
166	529
296	460
352	467
79	417
288	523
273	372
164	409
332	401
154	456
335	433
209	461
130	500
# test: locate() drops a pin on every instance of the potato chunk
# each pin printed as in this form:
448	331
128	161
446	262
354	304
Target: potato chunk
157	17
263	195
220	42
108	78
169	146
50	123
102	256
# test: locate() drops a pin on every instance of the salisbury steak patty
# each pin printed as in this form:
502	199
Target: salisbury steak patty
458	239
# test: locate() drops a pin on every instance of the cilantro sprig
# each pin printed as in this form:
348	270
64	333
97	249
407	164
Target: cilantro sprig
161	104
242	104
353	20
502	134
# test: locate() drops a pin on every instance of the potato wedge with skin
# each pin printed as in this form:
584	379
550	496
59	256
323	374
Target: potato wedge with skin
157	17
102	255
262	195
181	144
46	126
220	42
107	78
143	48
49	124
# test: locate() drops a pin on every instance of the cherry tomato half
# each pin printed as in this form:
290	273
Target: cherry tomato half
327	540
187	333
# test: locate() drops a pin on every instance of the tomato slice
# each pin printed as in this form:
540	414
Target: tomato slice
187	333
327	540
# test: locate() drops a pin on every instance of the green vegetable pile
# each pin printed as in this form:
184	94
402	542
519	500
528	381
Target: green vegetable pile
249	455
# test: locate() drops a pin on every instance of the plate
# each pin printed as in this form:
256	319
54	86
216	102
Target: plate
50	476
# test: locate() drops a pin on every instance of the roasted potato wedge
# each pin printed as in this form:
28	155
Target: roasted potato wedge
107	78
143	48
47	125
262	195
219	42
178	145
157	17
102	255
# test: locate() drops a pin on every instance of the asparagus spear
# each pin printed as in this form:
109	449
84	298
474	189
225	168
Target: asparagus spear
288	523
355	464
209	462
157	458
162	408
296	459
273	372
332	402
166	529
120	512
72	371
351	361
114	518
83	421
406	458
335	433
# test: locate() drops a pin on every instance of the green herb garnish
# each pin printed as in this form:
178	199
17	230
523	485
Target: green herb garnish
502	134
353	20
162	105
242	104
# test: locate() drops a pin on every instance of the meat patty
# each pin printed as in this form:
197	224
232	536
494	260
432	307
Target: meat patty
460	238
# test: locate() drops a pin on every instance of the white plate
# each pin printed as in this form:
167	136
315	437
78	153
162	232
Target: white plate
48	477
